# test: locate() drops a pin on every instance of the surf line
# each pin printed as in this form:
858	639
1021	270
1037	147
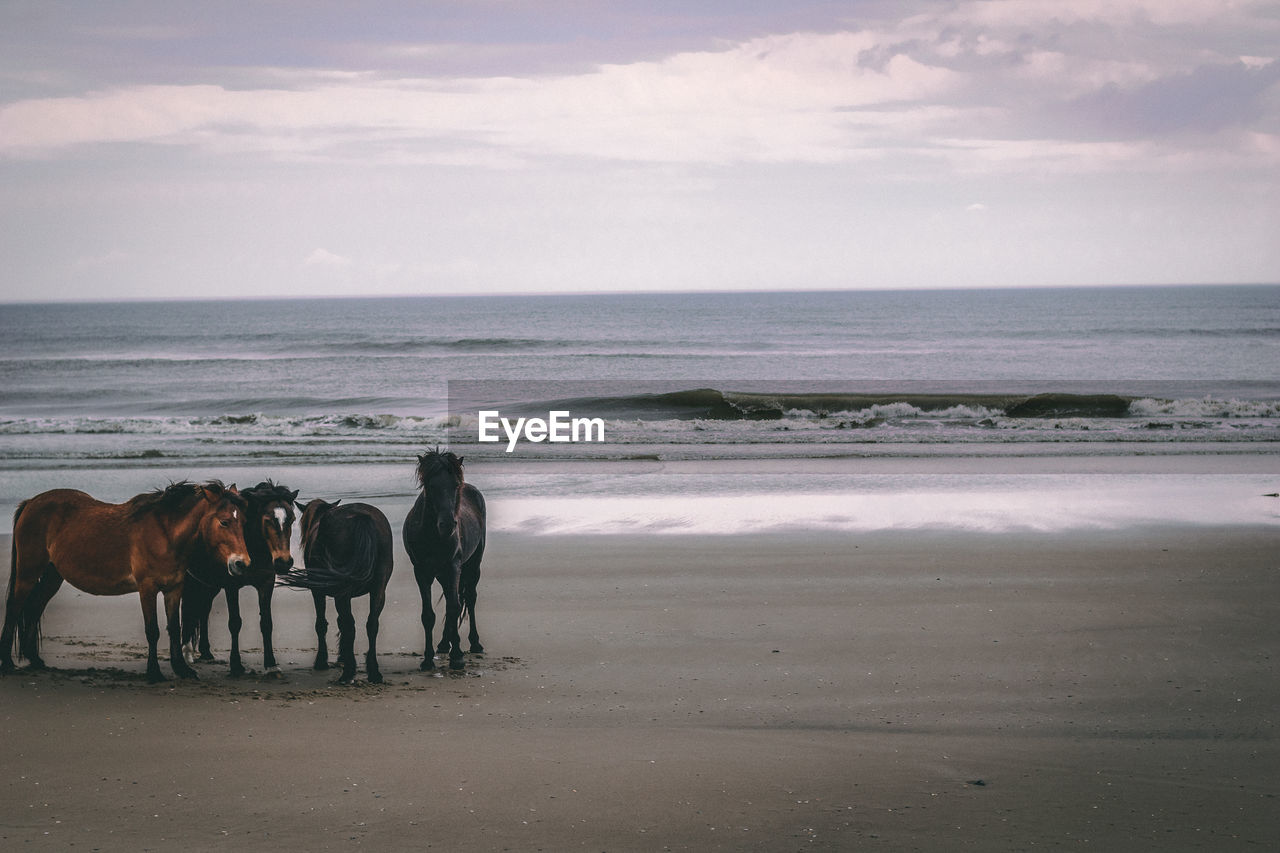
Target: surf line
558	426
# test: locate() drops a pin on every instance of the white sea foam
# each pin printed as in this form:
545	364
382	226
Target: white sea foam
1049	505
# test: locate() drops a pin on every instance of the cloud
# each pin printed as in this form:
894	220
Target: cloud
1208	99
325	258
971	86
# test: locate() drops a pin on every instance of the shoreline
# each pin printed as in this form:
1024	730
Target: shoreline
803	691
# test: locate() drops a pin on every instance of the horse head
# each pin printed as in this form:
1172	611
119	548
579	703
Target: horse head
271	523
221	525
440	476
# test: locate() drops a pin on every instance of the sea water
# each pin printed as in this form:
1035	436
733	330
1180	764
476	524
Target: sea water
866	409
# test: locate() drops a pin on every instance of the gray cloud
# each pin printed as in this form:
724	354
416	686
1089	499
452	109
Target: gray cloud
1208	99
500	145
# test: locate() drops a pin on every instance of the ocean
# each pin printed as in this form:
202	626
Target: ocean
986	409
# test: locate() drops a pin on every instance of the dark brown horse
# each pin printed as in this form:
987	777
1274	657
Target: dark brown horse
444	534
143	545
347	550
267	530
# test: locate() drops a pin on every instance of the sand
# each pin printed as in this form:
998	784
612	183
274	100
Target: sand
897	691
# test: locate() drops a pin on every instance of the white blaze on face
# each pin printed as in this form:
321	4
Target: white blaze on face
281	515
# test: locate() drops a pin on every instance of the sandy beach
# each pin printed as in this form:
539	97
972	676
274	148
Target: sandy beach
896	690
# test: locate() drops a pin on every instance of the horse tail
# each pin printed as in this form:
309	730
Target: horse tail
352	577
23	618
13	553
13	578
462	603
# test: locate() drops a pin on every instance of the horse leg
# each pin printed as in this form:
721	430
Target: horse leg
322	631
173	622
452	616
37	600
12	607
470	583
234	623
206	598
192	604
346	639
442	648
151	626
20	587
197	602
265	623
424	579
377	599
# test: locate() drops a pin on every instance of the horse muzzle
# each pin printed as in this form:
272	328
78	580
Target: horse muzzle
282	565
237	565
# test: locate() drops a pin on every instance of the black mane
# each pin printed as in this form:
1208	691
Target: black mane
178	497
268	492
435	457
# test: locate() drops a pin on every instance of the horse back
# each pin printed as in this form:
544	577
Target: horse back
86	540
421	542
341	523
472	519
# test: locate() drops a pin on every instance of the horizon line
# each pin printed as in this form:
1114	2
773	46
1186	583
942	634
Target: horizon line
496	294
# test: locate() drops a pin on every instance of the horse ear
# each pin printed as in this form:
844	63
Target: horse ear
335	503
232	489
294	497
211	491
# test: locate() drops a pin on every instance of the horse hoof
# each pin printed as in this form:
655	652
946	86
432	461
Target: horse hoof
274	672
320	664
456	665
427	665
476	650
375	678
346	679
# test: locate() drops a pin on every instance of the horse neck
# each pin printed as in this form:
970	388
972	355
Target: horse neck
254	542
184	527
314	548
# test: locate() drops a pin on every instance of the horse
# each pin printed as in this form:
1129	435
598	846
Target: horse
348	553
444	534
268	528
143	545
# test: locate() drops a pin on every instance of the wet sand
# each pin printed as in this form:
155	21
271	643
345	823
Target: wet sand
895	691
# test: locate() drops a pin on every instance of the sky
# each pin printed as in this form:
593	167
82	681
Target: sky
166	148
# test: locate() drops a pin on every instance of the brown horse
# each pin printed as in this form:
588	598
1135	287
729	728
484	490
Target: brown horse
267	531
143	545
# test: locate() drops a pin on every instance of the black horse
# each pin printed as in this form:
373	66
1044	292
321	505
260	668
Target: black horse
444	534
347	550
268	527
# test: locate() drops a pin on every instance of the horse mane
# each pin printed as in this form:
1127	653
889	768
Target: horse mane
432	457
177	497
267	492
